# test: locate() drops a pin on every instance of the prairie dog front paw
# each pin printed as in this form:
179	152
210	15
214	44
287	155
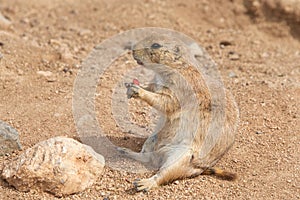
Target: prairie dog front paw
132	89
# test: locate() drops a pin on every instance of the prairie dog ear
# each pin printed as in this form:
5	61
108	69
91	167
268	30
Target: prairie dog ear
176	50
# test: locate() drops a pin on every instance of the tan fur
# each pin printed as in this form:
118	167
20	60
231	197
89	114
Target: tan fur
225	175
187	103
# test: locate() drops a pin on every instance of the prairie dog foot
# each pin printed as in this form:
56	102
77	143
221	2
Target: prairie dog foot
145	184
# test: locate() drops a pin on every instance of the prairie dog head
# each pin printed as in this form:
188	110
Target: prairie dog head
159	50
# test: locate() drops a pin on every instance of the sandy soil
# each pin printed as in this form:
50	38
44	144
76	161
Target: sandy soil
255	43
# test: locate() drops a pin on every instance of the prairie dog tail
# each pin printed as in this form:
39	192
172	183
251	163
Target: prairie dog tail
219	173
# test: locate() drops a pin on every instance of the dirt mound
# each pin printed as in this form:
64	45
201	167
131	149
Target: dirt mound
278	11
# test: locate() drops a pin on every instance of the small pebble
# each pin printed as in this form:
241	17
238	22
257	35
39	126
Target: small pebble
233	55
224	43
232	75
49	75
20	72
84	32
4	22
265	55
45	73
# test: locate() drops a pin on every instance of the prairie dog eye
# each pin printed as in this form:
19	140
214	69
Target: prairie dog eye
155	46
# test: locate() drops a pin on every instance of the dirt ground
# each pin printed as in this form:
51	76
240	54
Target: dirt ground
255	43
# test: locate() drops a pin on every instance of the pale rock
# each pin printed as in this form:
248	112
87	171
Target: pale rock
60	166
233	55
4	22
65	54
84	32
45	73
9	139
232	74
50	77
63	50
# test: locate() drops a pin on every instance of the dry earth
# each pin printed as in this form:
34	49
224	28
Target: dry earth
255	43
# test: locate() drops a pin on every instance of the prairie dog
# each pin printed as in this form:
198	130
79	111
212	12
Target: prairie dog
177	149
